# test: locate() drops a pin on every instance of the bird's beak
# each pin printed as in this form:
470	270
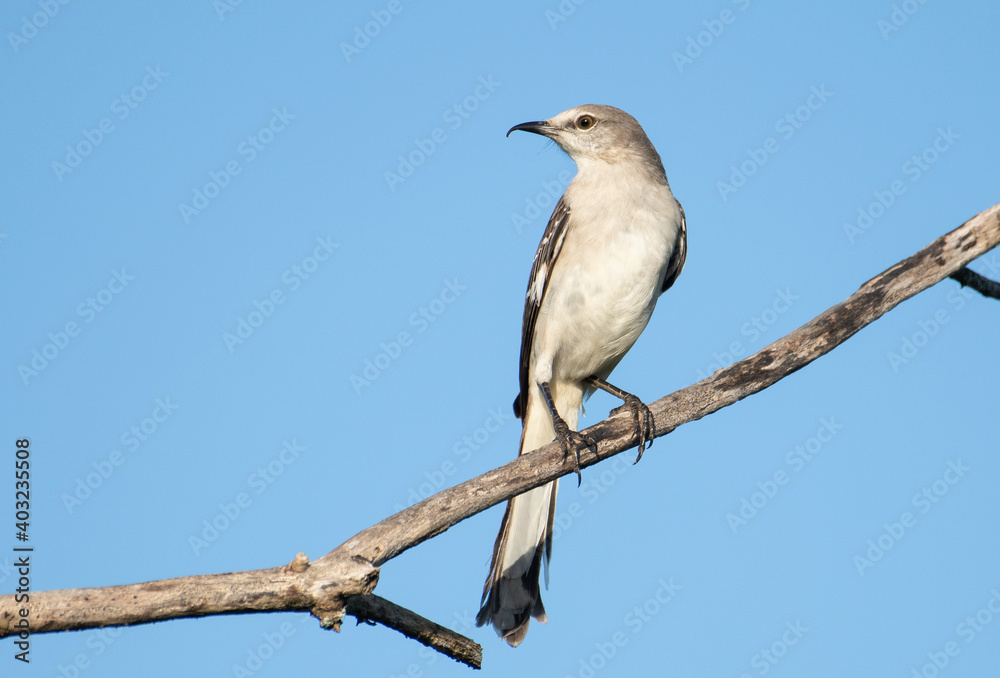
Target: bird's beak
537	127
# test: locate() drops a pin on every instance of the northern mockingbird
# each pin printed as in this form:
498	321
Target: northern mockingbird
616	240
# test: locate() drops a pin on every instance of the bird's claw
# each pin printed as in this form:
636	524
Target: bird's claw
645	427
573	441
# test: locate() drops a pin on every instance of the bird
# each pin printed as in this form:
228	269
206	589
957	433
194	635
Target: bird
616	240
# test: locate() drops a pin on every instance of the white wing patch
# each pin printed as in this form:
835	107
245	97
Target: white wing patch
559	243
538	285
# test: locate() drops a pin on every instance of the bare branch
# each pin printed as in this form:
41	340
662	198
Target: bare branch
297	586
822	334
980	283
326	585
372	608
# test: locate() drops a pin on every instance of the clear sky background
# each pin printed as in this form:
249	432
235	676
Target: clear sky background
204	242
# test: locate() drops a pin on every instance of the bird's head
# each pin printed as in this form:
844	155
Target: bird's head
595	133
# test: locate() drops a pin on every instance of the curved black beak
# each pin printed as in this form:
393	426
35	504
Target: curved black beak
536	127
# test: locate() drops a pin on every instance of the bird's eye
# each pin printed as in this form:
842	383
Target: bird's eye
585	122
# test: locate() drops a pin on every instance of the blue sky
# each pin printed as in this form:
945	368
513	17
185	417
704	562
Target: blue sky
271	259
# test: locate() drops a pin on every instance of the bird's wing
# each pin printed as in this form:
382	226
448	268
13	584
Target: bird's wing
679	254
538	283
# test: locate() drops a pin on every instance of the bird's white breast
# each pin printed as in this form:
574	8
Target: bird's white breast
623	229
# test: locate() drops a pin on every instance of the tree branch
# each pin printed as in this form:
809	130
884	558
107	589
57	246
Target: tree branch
297	586
329	586
372	608
980	283
819	336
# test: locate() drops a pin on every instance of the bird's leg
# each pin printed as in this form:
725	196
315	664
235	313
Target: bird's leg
569	439
645	427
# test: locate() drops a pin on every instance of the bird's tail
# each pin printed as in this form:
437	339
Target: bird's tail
512	595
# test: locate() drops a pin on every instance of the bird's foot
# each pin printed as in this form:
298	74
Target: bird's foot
569	439
572	441
645	426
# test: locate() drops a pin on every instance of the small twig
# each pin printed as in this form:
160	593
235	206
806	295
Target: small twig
966	277
377	609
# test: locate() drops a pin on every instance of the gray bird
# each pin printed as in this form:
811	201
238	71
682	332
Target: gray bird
616	240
